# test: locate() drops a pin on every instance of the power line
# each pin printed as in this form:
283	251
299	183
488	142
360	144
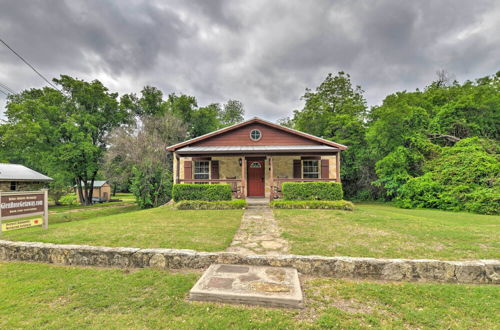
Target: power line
4	92
28	64
7	88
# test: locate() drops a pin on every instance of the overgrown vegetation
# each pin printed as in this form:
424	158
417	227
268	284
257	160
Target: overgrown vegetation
201	192
312	191
464	177
151	185
215	205
314	204
435	147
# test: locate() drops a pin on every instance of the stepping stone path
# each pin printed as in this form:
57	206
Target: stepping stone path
253	285
259	232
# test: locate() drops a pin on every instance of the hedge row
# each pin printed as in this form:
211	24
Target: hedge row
201	192
312	191
330	205
205	205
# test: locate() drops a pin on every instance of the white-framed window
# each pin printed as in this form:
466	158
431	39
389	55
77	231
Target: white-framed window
13	185
201	169
255	135
310	169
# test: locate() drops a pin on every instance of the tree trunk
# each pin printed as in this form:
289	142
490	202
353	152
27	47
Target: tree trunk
450	138
79	190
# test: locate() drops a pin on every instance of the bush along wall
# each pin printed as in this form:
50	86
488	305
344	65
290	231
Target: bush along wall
329	205
201	192
329	191
215	205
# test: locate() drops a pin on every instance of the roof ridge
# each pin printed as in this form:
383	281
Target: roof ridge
258	120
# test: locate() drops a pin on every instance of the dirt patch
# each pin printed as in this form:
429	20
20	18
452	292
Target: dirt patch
352	306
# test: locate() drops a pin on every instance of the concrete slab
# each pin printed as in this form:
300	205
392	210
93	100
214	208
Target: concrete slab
251	285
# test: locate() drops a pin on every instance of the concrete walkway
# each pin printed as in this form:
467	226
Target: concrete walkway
259	232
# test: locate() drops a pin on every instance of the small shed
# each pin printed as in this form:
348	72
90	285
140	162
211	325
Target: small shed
102	190
16	177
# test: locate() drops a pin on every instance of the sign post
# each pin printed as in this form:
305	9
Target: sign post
1	214
20	204
45	208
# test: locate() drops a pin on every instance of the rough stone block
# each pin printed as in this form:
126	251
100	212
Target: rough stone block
252	285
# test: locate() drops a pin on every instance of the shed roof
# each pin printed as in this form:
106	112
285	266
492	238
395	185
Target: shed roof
253	149
97	183
17	172
317	139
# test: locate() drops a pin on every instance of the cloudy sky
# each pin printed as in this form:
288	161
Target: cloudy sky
263	53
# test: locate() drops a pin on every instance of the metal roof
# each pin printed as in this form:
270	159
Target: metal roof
16	172
97	183
254	149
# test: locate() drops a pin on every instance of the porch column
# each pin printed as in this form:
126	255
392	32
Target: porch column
243	177
337	166
177	164
271	180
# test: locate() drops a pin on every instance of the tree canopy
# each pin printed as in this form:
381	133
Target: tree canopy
83	132
397	146
63	133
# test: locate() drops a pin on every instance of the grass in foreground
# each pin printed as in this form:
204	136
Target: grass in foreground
380	230
154	228
46	296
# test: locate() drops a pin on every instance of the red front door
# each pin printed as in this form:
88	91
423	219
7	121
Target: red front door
255	178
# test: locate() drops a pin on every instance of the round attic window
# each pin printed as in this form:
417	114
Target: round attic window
255	135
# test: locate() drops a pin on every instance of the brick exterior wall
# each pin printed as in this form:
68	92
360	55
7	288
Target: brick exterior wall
282	166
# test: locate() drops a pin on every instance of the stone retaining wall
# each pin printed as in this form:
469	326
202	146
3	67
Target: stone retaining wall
480	271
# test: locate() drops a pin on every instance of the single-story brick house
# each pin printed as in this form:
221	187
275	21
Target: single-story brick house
256	157
102	190
16	177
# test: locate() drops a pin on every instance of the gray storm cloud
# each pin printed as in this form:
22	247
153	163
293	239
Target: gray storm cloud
263	53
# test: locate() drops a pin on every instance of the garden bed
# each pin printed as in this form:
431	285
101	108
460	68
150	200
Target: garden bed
236	204
331	205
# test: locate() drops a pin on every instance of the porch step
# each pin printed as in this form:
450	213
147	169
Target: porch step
251	202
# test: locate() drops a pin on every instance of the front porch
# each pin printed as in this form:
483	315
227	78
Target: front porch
253	175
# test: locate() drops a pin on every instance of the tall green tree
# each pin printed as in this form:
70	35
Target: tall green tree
336	111
64	132
231	113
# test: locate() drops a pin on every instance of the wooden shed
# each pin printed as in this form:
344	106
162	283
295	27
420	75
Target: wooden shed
102	190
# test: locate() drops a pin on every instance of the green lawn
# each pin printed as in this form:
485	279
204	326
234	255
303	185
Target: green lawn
161	227
46	296
77	208
126	197
381	230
